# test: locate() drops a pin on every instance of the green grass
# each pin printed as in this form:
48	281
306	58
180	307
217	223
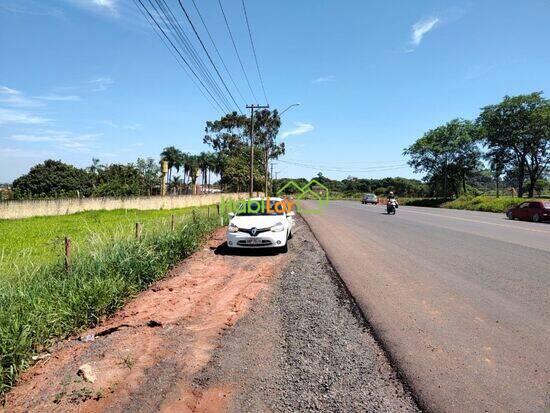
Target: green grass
39	240
41	302
485	203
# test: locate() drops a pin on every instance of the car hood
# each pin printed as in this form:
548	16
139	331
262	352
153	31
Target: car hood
257	221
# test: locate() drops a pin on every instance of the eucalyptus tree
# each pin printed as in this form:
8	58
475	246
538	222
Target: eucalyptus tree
519	129
447	154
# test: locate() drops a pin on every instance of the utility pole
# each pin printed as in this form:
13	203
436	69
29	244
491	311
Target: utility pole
271	177
252	107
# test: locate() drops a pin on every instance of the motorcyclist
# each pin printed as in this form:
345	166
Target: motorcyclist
392	198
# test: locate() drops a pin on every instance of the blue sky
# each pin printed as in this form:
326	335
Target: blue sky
89	78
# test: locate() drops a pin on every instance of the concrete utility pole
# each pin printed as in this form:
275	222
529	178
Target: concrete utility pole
251	182
271	179
163	172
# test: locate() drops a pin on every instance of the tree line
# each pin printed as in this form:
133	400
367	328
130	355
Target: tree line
511	138
352	186
228	165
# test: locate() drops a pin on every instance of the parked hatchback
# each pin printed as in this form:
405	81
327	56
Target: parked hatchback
535	211
261	223
369	199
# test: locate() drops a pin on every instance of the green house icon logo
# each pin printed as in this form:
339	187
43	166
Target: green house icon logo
313	190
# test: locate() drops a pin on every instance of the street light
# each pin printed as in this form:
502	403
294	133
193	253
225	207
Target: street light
267	154
291	106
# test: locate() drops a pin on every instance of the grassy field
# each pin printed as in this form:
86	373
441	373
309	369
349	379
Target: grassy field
486	203
39	240
41	301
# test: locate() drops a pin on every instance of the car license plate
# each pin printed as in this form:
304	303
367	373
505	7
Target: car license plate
254	241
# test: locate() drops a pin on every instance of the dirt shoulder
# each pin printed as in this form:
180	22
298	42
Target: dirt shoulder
224	333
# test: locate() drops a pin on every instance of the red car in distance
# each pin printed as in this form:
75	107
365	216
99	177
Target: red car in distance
535	211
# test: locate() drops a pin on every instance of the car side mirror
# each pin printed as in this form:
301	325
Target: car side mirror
231	215
291	214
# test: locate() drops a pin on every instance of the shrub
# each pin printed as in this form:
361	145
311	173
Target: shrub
484	203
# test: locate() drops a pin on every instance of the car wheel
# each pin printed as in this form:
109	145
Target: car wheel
536	218
290	235
510	215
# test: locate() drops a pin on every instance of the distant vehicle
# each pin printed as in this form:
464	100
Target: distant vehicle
369	199
535	211
391	206
257	225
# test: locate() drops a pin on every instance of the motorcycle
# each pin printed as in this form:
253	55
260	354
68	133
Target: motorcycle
391	206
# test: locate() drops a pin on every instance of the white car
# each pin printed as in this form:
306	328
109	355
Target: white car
261	224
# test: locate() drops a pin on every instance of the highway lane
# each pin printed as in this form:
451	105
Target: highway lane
459	299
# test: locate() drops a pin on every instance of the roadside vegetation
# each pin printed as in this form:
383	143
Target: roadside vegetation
46	301
39	240
507	146
485	203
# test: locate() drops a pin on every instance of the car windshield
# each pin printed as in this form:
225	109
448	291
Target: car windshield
255	207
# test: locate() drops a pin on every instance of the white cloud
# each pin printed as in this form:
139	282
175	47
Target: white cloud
9	153
129	126
324	79
300	129
421	28
8	116
101	83
12	97
62	139
109	6
33	7
59	98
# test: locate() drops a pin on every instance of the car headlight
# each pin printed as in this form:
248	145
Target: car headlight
232	227
278	227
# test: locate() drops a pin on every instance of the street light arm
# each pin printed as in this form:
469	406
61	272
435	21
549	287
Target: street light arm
291	106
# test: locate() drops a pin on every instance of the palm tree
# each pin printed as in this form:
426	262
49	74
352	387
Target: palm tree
173	156
176	182
193	168
219	165
185	164
211	160
203	162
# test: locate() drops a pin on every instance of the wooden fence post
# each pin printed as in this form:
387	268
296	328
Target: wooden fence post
138	230
173	224
67	254
208	211
218	210
194	215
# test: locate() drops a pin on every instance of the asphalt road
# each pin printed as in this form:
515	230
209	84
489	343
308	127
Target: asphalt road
459	299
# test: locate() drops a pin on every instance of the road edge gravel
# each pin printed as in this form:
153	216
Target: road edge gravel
305	346
362	317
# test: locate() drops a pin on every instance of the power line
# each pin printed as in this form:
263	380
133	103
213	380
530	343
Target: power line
175	48
168	16
200	71
185	69
254	52
236	50
217	51
336	169
208	55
